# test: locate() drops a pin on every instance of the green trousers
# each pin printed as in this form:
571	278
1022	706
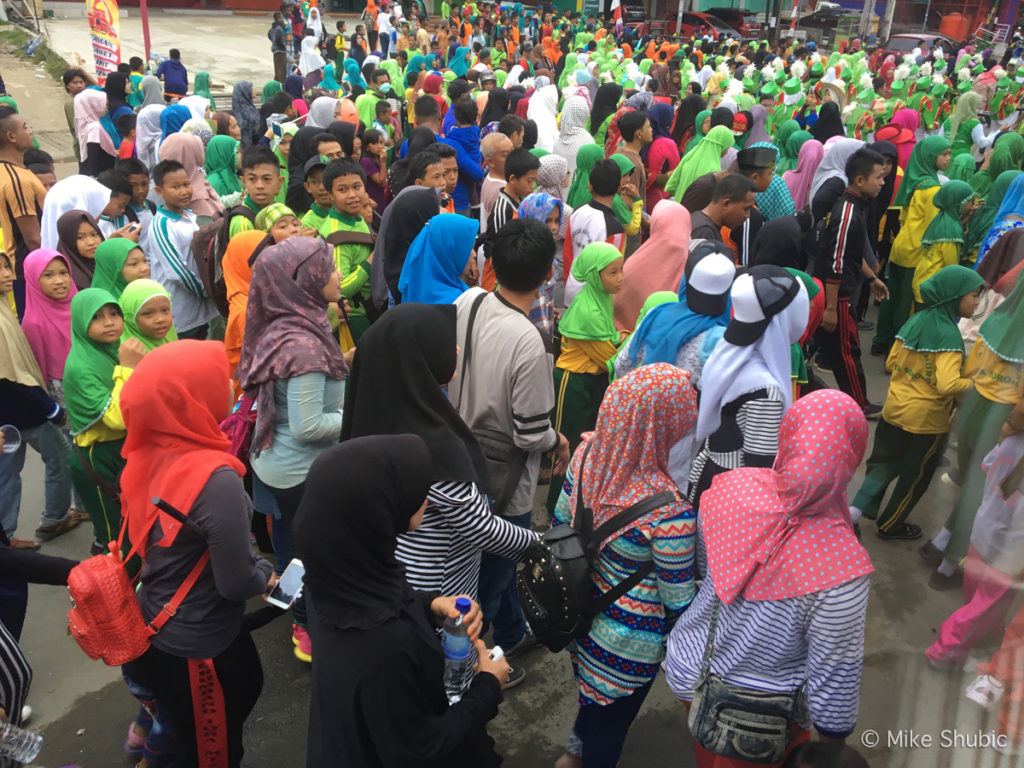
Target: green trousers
104	508
896	309
578	398
908	459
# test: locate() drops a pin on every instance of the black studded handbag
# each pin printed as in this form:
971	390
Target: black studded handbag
553	576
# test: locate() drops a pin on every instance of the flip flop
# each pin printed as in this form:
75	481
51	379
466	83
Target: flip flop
25	544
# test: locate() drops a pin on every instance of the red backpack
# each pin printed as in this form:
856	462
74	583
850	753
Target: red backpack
105	619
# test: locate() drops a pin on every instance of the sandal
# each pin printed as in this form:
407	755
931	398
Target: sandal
24	544
905	532
985	691
49	532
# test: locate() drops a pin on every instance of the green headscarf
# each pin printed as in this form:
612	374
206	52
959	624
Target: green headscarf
921	172
110	258
270	89
201	87
946	226
222	165
706	157
793	145
588	156
966	110
135	295
1007	155
656	299
698	132
983	218
783	134
1001	331
539	152
89	370
961	168
935	329
591	316
622	211
570	67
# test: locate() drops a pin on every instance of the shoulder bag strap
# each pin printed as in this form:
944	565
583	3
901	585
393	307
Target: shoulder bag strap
467	352
621	520
709	646
583	518
172	605
101	483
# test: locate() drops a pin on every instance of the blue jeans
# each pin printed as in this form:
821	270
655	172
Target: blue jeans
600	731
498	597
53	446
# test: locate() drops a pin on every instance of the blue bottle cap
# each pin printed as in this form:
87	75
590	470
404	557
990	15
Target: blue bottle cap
463	604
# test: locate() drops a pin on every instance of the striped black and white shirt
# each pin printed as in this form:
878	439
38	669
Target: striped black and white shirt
748	436
815	640
443	554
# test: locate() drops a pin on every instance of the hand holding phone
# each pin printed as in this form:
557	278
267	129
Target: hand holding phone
289	586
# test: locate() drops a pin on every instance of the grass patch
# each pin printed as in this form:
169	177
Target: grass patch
16	38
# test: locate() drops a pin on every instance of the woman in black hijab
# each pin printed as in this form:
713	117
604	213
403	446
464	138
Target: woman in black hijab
345	133
781	242
497	107
684	126
829	123
530	134
605	103
418	140
378	695
116	88
395	387
403	220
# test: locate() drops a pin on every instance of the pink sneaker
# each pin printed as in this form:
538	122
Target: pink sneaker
136	738
303	645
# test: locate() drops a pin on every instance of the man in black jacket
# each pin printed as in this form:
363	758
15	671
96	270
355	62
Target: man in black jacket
839	264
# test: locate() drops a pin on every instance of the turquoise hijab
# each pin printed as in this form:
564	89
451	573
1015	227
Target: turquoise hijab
432	273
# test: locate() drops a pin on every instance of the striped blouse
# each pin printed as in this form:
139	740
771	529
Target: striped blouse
443	554
626	642
777	645
747	437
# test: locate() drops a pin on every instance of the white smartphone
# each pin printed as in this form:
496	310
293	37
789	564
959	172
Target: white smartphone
289	587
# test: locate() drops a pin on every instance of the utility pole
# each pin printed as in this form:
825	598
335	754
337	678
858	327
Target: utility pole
865	18
886	26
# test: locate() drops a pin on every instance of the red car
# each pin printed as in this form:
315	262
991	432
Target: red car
700	24
747	23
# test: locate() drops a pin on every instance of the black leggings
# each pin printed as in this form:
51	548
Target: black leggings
241	678
288	500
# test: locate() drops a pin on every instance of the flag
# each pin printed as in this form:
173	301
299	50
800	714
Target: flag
617	10
104	29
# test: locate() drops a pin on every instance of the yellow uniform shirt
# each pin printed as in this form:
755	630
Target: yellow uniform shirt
111	425
994	378
907	250
923	388
585	356
934	258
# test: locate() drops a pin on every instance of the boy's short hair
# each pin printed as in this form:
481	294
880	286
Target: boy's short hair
255	156
279	102
466	111
605	177
117	183
131	166
520	162
522	253
338	168
383	106
630	123
862	163
418	165
443	150
511	125
125	124
732	188
135	62
161	169
425	108
324	137
39	158
175	53
71	74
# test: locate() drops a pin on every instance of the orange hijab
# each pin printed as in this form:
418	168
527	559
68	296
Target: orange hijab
237	274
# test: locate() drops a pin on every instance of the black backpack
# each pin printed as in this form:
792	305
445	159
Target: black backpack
553	576
208	245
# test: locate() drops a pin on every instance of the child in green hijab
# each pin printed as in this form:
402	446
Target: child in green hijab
97	367
222	166
147	314
943	240
926	362
589	343
119	261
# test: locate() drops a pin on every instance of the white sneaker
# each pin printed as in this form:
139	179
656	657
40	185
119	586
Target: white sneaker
985	691
26	714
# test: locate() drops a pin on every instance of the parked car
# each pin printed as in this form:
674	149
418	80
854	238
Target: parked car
633	13
747	23
699	24
902	44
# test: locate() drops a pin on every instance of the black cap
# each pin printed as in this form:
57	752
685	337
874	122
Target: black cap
757	296
316	161
756	158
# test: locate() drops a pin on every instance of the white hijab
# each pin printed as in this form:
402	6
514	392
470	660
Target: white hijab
77	192
572	133
833	163
310	59
321	112
542	109
732	370
315	23
197	105
147	134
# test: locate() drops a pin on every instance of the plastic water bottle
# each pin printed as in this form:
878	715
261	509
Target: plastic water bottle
457	651
19	744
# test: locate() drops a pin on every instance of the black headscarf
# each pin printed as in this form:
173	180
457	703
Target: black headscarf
515	93
498	101
687	116
403	220
302	148
780	242
722	116
829	124
418	140
878	206
530	135
605	103
400	366
115	87
360	495
345	133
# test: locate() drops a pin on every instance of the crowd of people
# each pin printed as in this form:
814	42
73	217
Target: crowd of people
507	249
